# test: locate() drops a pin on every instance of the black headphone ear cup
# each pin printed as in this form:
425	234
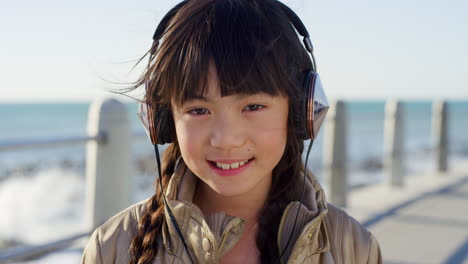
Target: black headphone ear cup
298	108
164	130
303	117
157	120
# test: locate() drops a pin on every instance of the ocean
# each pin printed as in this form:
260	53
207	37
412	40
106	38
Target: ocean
42	190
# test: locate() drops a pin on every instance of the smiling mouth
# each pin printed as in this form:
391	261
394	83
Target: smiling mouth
230	166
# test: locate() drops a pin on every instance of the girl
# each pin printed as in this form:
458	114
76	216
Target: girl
227	86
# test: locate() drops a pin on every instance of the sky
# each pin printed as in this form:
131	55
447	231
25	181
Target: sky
60	51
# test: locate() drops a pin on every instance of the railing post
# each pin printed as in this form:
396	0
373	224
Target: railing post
108	163
394	143
335	154
440	137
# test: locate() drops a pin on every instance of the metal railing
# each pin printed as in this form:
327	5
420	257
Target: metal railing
48	142
31	252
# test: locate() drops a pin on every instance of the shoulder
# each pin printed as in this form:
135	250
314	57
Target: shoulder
111	240
349	239
342	224
124	222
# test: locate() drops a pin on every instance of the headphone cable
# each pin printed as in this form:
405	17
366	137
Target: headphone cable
171	215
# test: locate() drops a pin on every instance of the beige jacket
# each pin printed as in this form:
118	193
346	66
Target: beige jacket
324	233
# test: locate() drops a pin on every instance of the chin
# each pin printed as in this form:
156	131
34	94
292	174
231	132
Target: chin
228	191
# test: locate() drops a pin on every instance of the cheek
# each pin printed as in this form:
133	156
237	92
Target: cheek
190	140
274	141
271	135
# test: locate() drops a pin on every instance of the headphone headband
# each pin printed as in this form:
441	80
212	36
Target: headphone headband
165	21
298	25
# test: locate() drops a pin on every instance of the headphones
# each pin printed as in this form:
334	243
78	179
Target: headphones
158	120
159	123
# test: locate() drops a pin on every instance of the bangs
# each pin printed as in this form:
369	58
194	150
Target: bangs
246	41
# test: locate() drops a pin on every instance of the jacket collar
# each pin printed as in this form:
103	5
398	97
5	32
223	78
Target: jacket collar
308	235
218	233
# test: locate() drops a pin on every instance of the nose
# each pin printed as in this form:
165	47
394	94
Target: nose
227	132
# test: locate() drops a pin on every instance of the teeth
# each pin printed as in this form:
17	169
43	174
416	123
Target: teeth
234	165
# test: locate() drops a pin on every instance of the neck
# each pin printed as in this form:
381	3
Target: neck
246	206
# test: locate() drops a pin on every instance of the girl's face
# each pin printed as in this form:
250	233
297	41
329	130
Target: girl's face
232	143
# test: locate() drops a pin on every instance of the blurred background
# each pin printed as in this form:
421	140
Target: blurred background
57	57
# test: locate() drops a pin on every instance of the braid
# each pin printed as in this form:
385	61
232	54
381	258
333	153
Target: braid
144	245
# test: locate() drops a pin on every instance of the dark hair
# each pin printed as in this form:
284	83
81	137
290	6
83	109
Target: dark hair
254	49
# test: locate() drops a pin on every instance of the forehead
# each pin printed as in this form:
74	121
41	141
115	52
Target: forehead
213	93
213	87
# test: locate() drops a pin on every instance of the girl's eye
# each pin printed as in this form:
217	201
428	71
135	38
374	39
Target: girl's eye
198	111
254	107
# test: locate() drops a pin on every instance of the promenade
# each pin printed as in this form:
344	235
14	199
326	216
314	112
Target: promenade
426	221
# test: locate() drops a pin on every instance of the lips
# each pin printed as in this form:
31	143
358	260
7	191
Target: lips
229	164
